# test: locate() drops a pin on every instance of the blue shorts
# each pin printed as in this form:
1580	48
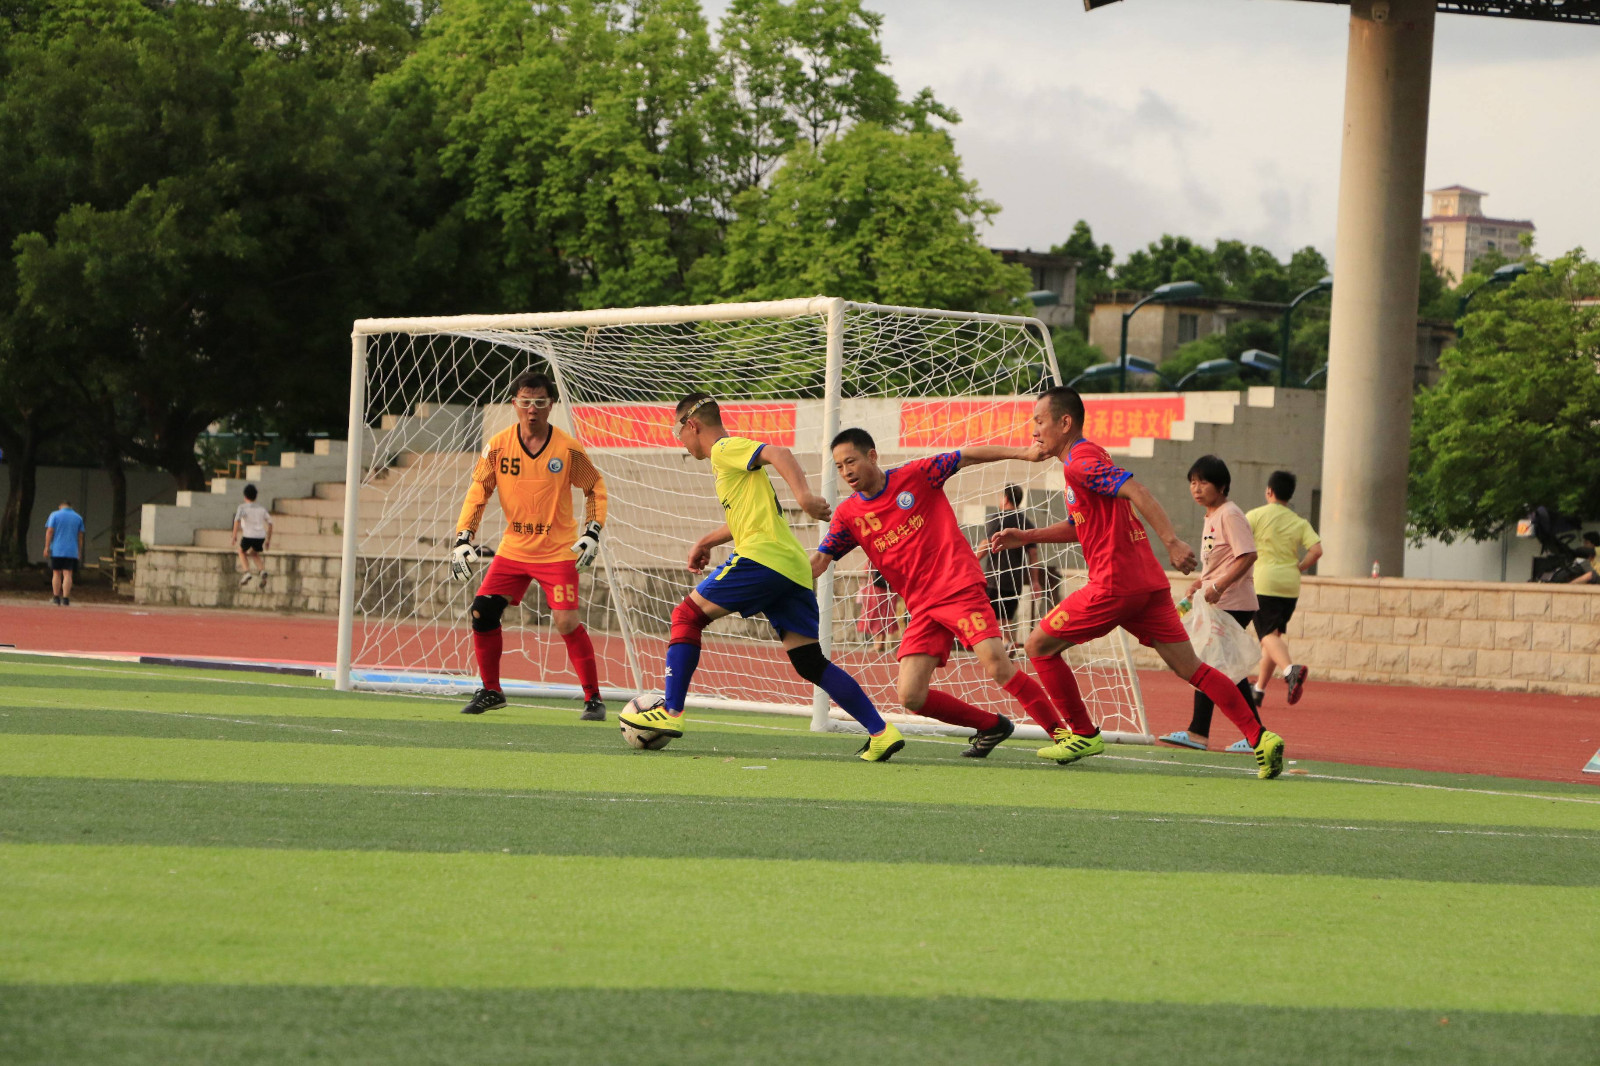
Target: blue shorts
745	586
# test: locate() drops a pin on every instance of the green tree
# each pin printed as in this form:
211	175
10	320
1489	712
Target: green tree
1074	354
600	145
1434	297
1094	271
874	215
1232	342
226	211
1514	423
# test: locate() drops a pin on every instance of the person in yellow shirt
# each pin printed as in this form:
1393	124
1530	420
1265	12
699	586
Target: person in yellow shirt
1280	535
534	466
768	574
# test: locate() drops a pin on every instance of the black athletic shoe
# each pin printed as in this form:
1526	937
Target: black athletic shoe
985	740
1296	680
56	600
66	601
593	711
485	699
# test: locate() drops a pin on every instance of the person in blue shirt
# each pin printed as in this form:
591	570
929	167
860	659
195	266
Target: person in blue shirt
63	546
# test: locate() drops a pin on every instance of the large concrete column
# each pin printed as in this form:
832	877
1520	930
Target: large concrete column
1373	342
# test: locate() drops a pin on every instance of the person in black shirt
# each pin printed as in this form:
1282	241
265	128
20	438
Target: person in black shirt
1013	570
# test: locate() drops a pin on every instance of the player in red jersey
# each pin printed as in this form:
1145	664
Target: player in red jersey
1126	586
903	521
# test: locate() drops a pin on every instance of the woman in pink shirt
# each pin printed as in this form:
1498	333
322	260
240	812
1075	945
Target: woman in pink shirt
1227	556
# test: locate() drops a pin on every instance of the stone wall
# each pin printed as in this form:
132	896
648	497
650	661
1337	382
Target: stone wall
1513	638
209	577
1446	634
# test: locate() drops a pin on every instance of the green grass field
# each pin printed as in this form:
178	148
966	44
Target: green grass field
216	867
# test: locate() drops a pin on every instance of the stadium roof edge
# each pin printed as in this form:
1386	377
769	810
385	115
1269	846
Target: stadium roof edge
1583	12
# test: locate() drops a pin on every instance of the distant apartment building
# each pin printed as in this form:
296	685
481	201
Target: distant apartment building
1050	273
1456	231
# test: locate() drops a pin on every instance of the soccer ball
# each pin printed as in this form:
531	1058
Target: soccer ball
647	739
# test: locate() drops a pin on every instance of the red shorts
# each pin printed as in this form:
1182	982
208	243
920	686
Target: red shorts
966	616
509	578
1090	612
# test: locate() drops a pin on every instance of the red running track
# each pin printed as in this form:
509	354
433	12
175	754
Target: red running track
1452	730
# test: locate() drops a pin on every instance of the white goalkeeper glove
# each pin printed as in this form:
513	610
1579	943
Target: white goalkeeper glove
463	557
588	545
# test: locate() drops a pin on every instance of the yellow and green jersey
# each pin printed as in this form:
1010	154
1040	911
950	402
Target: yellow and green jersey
755	518
1280	535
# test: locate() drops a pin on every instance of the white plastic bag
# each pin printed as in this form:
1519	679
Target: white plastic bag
1219	641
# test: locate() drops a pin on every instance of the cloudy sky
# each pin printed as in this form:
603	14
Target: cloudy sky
1221	118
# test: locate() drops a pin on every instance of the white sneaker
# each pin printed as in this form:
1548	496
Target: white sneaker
245	580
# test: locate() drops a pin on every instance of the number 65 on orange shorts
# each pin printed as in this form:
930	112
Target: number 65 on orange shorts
509	578
966	616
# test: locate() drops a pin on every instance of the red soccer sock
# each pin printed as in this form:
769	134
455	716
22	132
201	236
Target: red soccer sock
486	646
580	649
947	708
1056	677
1036	702
1231	702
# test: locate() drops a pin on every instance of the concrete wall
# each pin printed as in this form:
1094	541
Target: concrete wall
89	491
1273	429
1442	634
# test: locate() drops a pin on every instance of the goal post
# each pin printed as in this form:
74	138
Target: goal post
426	393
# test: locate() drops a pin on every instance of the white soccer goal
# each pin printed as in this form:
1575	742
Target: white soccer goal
426	393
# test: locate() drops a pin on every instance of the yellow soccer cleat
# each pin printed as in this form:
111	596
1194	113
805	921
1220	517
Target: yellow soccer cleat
1269	755
1070	747
882	746
654	718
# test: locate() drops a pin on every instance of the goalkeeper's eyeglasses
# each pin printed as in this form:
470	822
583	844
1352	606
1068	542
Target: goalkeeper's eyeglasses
537	403
684	421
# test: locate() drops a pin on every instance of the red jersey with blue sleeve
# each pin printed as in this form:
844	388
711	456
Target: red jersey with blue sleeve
1116	549
909	532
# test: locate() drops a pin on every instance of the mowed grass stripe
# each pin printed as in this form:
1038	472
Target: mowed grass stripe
51	810
173	690
165	1024
214	915
684	774
235	707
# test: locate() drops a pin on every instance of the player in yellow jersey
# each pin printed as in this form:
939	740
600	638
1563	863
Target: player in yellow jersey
768	573
534	466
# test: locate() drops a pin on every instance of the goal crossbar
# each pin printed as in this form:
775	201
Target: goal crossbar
675	313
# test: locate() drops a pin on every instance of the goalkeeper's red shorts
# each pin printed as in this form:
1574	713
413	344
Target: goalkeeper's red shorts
509	578
1091	612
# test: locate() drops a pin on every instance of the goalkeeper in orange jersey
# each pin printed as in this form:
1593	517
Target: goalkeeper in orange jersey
534	466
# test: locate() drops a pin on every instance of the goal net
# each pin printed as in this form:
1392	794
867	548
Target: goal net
427	393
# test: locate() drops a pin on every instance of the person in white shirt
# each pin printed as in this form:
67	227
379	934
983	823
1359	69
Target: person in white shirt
1227	557
252	535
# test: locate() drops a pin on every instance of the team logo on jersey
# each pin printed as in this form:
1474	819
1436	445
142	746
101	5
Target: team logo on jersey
554	466
905	501
1072	497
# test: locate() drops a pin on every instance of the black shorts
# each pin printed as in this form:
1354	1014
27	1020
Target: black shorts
64	562
1273	614
252	544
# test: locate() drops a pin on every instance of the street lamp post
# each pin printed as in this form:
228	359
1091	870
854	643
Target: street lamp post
1172	290
1210	366
1104	371
1325	285
1502	275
